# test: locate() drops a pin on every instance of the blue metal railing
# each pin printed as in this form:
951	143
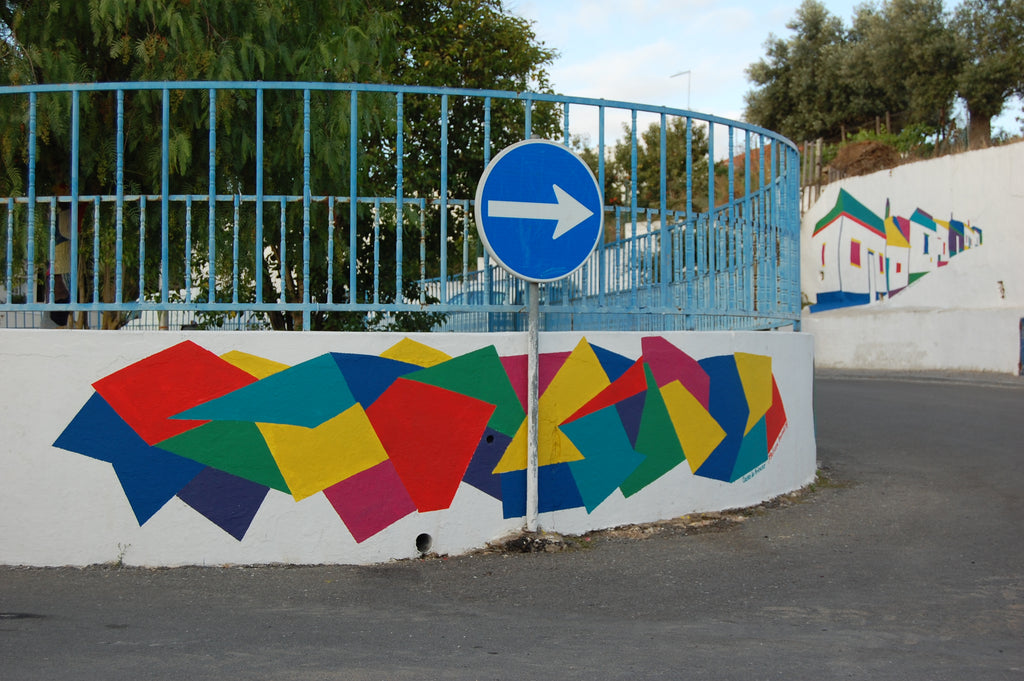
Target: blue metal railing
308	200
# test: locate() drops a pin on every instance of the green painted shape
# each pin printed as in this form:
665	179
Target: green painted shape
235	447
657	440
305	395
753	451
845	203
914	276
481	375
608	455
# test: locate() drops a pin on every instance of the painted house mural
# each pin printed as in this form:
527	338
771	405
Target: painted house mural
862	257
385	436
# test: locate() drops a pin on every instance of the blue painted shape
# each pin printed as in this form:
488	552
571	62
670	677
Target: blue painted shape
486	457
228	501
149	476
728	406
613	363
834	300
609	457
306	395
368	376
631	412
556	491
524	183
753	451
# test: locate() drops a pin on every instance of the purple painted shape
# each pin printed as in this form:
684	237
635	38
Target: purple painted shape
488	453
668	363
228	501
631	411
370	501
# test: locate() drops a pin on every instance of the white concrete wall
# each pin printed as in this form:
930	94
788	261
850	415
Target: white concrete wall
62	508
964	316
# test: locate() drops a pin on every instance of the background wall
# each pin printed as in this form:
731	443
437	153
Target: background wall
963	316
348	448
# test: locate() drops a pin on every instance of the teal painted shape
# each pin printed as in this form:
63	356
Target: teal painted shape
753	450
609	458
306	395
656	440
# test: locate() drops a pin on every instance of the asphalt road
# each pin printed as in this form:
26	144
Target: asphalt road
907	563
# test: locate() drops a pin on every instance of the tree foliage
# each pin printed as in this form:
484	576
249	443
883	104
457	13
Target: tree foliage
458	43
905	60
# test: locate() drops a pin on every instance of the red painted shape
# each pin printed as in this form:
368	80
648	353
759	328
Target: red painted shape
775	419
627	385
516	367
370	501
430	435
147	393
668	363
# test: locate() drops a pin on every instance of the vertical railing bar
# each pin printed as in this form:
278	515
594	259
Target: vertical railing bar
488	279
307	193
423	251
165	193
565	124
96	250
237	205
30	244
528	122
119	206
353	193
9	264
602	274
759	249
188	248
376	251
142	248
748	223
633	144
75	150
282	260
211	200
666	237
399	193
730	234
444	198
54	226
330	249
258	255
691	224
711	265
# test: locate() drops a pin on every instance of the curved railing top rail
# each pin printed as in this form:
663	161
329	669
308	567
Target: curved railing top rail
722	253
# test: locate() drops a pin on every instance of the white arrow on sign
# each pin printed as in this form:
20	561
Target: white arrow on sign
568	211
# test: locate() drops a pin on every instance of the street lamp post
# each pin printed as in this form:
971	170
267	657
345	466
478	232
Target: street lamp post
688	76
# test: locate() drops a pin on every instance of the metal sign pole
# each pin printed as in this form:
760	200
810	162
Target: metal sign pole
533	397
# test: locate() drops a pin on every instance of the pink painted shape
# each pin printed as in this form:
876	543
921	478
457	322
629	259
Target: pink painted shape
146	394
370	501
516	367
668	363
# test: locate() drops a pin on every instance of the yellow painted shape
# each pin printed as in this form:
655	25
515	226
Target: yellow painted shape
893	236
413	352
579	379
697	430
260	367
756	376
313	459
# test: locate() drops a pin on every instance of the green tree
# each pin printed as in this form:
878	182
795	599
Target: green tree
795	84
466	43
990	36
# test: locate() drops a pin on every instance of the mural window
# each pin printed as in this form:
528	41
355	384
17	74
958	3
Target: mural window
899	267
881	266
855	253
926	244
823	255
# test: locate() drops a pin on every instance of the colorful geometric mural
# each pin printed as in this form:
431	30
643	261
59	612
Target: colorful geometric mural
862	257
382	437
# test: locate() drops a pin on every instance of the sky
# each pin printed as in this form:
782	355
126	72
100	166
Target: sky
629	50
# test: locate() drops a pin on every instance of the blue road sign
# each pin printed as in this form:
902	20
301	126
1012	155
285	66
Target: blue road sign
539	210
